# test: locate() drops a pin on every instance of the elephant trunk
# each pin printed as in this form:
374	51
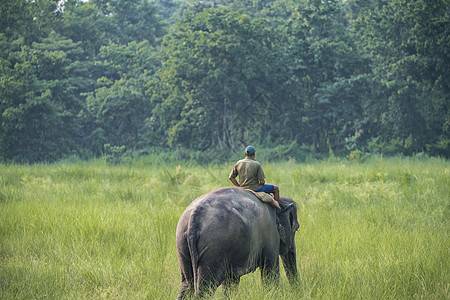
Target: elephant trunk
290	265
287	227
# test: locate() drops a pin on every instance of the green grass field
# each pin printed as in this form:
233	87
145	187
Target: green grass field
378	230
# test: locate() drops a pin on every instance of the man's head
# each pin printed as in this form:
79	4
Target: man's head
250	151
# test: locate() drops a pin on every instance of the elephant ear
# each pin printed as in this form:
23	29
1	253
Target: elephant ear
282	233
281	229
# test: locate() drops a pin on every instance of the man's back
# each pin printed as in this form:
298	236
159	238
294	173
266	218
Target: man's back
250	173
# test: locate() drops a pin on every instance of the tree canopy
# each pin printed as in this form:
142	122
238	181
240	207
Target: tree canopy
84	77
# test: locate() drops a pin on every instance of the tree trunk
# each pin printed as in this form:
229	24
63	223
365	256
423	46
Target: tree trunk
224	122
221	145
316	140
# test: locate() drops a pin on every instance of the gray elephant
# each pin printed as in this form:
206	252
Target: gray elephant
228	233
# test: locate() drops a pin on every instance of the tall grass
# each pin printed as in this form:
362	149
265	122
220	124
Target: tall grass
378	230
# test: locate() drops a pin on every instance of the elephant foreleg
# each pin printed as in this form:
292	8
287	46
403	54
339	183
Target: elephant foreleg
230	286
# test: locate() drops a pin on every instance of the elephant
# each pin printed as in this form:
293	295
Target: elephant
228	233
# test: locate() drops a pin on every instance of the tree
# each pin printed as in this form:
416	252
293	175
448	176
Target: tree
431	33
120	39
217	62
27	20
401	37
128	21
120	106
39	101
38	105
324	71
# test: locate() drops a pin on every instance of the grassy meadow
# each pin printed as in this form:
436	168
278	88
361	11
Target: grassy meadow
376	230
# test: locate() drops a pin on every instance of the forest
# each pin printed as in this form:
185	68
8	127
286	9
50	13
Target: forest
95	78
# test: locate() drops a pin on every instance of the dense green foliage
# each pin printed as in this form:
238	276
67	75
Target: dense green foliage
378	230
92	78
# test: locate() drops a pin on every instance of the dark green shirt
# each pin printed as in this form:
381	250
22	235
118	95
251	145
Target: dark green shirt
250	173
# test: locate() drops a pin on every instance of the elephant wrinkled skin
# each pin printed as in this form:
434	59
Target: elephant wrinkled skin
228	233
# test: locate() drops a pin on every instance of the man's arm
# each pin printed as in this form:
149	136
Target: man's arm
261	175
234	181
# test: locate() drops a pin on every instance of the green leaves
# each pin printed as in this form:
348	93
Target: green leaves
120	106
395	35
217	61
226	73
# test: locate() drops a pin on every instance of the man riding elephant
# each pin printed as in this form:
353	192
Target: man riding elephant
251	175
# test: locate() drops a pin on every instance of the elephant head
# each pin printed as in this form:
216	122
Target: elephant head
287	227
